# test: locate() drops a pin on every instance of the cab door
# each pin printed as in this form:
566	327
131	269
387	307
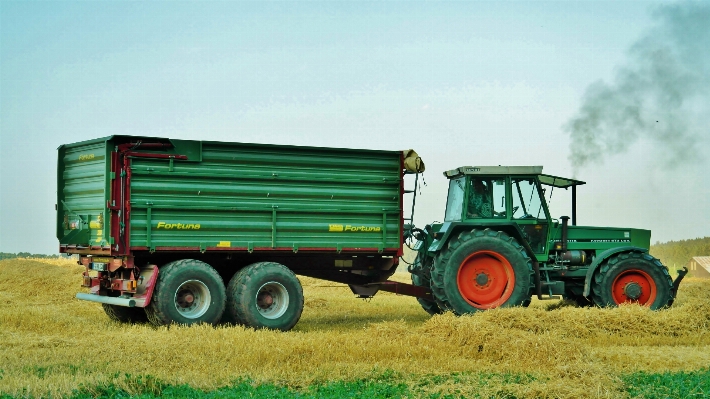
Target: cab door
530	212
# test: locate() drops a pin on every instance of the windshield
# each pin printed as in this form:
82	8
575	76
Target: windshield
454	202
559	200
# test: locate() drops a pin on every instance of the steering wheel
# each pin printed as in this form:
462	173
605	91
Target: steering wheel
515	209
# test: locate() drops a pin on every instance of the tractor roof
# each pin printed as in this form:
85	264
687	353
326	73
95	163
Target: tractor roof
548	180
562	182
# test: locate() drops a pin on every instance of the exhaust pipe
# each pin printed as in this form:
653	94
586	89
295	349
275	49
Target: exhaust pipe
565	220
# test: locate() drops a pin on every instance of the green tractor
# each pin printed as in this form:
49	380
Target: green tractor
499	246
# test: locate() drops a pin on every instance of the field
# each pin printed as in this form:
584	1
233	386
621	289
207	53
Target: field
52	345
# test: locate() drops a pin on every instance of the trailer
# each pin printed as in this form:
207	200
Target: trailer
186	231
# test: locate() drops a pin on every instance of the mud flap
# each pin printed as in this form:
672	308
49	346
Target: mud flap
146	284
676	282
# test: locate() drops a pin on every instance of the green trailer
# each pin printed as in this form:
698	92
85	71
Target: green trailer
183	231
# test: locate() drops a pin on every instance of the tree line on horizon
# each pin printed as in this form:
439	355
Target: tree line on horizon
10	255
676	254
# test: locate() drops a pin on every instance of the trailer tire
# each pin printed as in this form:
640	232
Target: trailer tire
264	295
124	314
632	277
187	292
482	269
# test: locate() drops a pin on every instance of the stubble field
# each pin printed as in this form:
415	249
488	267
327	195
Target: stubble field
52	345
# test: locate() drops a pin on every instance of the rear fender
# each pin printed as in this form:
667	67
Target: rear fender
601	258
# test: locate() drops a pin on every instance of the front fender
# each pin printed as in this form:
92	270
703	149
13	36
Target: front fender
441	237
598	261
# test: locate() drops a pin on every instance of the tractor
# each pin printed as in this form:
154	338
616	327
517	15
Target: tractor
499	246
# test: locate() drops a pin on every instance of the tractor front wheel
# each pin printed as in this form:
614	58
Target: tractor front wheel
632	277
482	269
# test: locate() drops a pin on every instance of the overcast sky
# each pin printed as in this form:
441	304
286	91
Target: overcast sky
465	83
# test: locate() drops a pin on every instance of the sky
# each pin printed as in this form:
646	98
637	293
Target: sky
614	93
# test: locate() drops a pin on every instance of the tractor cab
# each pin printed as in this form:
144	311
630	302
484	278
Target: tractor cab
495	195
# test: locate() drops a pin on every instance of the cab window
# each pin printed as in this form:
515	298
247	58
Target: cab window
486	198
454	202
526	200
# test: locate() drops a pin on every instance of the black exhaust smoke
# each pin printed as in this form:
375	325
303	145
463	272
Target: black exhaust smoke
662	94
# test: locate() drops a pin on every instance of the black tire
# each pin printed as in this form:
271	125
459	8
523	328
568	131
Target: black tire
265	295
632	277
573	293
187	292
580	300
495	259
125	314
429	306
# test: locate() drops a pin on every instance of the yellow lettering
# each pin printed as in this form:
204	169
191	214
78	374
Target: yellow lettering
364	229
177	226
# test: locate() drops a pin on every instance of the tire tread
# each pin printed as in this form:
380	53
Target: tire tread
154	310
237	310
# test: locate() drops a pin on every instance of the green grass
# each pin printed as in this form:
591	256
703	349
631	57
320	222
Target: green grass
690	384
149	388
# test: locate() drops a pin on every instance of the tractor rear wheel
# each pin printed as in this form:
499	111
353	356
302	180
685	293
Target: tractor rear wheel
482	269
264	295
124	314
187	292
632	277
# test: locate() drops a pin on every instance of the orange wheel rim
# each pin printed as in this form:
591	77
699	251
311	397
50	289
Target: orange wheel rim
485	279
634	286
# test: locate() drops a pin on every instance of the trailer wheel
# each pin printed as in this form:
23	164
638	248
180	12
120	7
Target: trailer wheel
632	277
264	295
125	314
482	269
187	292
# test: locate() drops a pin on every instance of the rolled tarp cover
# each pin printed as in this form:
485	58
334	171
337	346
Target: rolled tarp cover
412	161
